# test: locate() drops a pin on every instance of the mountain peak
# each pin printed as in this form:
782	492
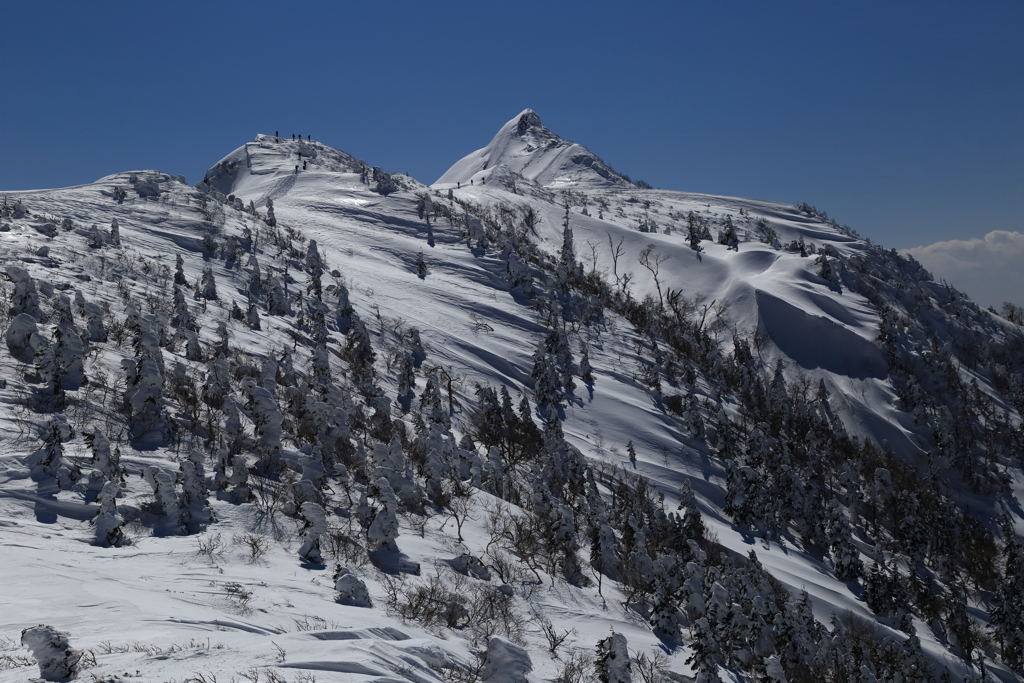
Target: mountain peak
524	148
528	119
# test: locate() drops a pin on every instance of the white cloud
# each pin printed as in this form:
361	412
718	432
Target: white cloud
989	269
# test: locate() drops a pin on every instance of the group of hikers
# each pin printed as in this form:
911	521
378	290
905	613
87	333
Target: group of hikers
277	137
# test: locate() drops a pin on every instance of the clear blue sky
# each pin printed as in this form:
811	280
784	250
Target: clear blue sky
903	120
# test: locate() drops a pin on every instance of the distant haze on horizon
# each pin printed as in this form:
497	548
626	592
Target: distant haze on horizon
907	129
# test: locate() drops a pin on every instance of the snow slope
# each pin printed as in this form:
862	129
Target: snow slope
162	608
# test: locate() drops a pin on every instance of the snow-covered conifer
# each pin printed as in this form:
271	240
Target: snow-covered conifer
143	398
604	548
314	523
406	380
49	460
506	662
94	325
345	311
314	262
586	370
351	589
277	301
263	410
179	272
384	529
612	664
62	309
194	502
231	250
692	523
57	660
166	498
208	285
1007	615
665	618
845	555
271	218
727	235
115	233
704	648
252	318
182	317
518	272
23	339
431	404
108	520
571	268
24	298
546	388
103	459
421	265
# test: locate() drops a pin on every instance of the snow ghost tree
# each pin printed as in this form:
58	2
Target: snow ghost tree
194	500
179	272
108	520
107	462
94	325
271	219
612	663
505	662
115	233
208	285
351	589
143	399
49	460
314	523
384	528
23	338
52	650
25	298
166	499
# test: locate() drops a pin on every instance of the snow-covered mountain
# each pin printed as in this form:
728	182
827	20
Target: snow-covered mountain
530	402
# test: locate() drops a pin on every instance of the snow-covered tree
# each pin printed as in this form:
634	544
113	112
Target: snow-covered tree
505	662
194	500
845	555
1007	615
115	233
179	271
23	339
49	460
586	370
94	325
103	459
57	660
108	520
165	496
271	219
24	298
208	285
314	524
704	648
351	589
384	529
727	235
612	664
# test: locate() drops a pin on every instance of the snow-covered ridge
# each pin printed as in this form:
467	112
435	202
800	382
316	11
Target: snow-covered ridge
524	147
290	379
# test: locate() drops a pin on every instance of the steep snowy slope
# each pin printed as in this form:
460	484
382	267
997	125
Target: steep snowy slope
709	324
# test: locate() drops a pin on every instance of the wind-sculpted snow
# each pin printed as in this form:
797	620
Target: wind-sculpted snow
279	448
